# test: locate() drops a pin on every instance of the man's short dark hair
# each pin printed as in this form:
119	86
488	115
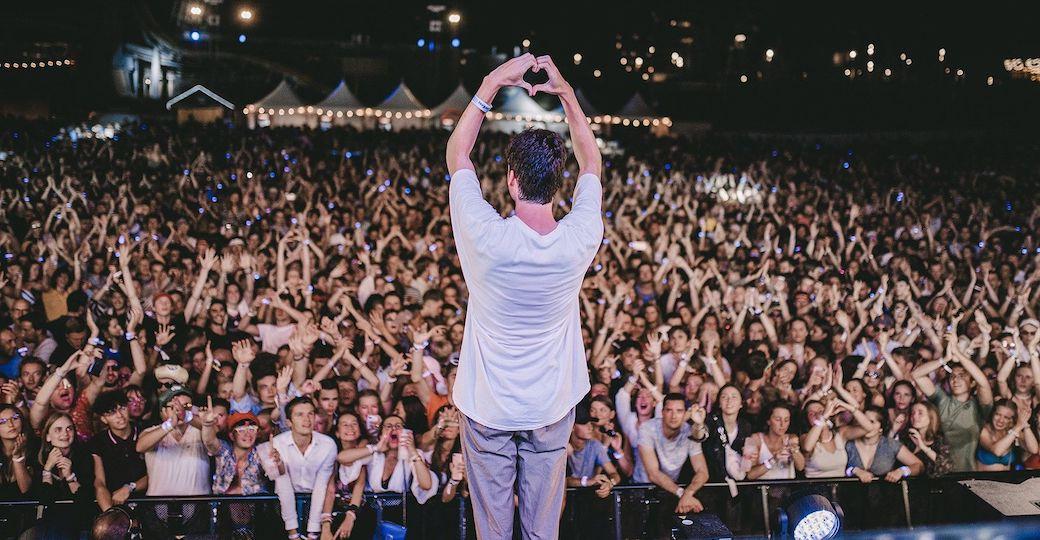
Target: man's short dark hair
674	396
537	158
30	360
297	401
107	402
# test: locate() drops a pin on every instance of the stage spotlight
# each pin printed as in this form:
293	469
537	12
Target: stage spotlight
241	38
809	516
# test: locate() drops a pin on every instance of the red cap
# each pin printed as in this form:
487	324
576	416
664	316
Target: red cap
239	417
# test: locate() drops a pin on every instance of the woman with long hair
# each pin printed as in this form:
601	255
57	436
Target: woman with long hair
824	443
16	468
926	439
875	456
774	454
727	433
1004	430
619	449
66	471
344	514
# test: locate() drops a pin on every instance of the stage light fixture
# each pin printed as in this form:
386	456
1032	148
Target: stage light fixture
245	14
454	18
809	516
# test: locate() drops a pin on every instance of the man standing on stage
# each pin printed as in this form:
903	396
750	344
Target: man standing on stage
522	367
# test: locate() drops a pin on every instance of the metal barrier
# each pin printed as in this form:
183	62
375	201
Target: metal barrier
630	511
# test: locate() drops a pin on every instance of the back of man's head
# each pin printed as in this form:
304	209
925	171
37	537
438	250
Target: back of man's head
116	523
537	158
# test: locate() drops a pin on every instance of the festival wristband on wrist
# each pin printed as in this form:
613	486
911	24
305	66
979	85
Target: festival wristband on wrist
584	481
481	104
679	492
906	471
167	426
850	472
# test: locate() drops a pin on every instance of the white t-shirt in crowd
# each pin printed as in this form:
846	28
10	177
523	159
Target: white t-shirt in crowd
178	468
272	337
522	363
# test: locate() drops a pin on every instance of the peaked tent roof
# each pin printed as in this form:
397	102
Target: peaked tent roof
195	89
586	106
401	99
636	106
516	101
458	100
341	98
282	96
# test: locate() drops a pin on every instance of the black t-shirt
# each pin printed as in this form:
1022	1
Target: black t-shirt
179	328
123	464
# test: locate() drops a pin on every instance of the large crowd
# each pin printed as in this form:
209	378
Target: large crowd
196	310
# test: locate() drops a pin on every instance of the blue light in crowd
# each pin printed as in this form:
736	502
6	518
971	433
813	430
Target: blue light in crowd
845	164
421	43
194	35
349	155
430	46
455	42
241	38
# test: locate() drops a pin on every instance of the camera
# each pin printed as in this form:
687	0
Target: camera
607	432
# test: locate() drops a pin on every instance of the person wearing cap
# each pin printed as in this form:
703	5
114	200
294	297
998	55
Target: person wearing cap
590	470
174	448
236	468
587	461
176	459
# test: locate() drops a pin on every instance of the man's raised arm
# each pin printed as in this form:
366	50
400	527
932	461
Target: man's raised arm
586	152
460	144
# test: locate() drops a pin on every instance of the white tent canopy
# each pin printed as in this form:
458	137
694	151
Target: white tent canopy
341	99
637	107
400	100
456	102
516	103
282	107
282	97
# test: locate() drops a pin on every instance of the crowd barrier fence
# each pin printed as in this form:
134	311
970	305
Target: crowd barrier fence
630	511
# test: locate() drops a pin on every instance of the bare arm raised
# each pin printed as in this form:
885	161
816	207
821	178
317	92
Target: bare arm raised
460	144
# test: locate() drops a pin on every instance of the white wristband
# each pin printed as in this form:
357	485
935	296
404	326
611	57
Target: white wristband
167	426
906	471
679	491
584	481
481	104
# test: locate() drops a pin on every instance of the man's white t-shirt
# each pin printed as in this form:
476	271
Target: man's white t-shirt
178	467
522	365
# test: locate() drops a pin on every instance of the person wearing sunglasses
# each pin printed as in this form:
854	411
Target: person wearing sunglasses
237	469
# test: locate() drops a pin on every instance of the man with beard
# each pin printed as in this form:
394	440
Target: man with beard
34	335
119	469
10	356
31	376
